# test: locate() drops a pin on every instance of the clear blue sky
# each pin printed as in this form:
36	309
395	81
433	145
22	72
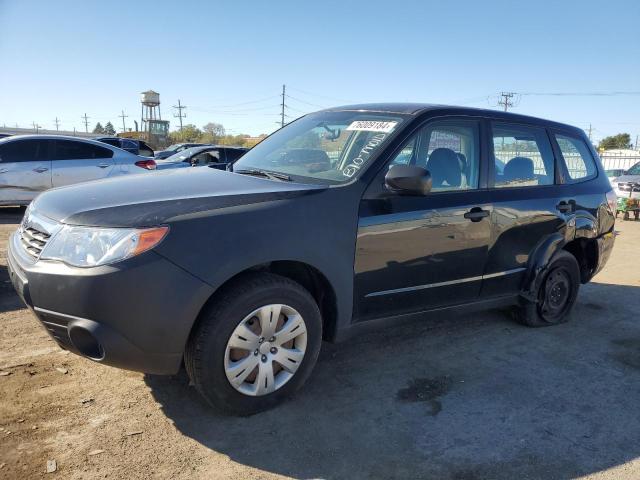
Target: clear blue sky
64	58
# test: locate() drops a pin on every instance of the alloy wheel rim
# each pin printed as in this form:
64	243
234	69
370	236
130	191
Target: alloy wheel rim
265	350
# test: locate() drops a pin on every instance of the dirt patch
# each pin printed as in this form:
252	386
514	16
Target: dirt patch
426	390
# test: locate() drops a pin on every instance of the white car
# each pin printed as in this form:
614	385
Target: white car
30	164
627	185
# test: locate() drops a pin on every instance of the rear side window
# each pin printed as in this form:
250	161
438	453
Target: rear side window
24	151
70	150
144	149
523	156
577	158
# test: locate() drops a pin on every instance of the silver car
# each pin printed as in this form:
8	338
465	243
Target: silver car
30	164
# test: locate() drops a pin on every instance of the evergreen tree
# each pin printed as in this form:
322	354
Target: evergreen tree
109	130
98	129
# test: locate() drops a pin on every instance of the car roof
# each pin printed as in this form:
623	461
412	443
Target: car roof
416	109
91	141
53	137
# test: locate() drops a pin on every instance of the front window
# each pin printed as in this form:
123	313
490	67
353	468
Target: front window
324	147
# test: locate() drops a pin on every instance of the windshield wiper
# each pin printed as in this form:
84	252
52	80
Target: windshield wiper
264	173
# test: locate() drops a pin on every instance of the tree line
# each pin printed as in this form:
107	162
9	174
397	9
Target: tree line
210	133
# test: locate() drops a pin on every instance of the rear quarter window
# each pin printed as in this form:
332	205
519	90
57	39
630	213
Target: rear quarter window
577	158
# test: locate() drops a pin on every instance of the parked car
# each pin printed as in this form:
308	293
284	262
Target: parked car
627	185
137	147
215	156
173	149
344	219
30	164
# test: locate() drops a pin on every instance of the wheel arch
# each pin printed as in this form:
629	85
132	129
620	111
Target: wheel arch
307	275
579	239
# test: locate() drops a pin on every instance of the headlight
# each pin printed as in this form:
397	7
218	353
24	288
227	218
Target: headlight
93	246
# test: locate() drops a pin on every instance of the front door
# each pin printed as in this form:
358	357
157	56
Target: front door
76	161
25	170
415	253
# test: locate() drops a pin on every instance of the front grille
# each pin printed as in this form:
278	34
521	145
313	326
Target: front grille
33	240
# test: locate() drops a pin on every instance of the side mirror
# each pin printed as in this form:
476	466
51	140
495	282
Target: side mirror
408	180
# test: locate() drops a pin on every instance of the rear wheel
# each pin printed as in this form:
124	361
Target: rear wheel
255	345
556	293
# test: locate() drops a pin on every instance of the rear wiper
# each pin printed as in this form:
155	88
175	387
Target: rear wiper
264	173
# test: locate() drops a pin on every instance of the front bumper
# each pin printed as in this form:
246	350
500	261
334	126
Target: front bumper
135	314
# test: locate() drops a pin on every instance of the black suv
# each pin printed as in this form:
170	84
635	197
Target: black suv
343	219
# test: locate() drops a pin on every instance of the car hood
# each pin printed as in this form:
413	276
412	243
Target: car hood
160	197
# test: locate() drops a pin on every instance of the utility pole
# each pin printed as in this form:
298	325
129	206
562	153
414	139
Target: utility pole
282	113
57	122
86	123
180	115
506	100
36	127
123	116
636	146
590	132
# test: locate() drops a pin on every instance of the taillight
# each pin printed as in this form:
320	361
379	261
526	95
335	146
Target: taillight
147	164
612	201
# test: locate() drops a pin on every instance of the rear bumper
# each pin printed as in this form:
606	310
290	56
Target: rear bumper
136	314
605	245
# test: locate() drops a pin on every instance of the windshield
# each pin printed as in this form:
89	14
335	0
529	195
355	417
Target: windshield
635	170
324	147
182	155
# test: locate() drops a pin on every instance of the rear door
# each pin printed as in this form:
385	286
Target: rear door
74	162
527	202
25	170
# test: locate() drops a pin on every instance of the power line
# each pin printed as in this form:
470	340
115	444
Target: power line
123	116
180	115
582	94
321	96
86	123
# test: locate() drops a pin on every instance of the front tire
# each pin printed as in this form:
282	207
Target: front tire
255	345
556	293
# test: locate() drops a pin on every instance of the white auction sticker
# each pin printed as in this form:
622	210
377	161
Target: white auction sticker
372	126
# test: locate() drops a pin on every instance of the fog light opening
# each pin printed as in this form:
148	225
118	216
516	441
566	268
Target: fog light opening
86	343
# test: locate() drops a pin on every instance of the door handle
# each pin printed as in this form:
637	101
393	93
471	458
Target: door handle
103	165
40	169
566	207
476	214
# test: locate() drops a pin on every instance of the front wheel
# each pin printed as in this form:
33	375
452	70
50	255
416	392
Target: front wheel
556	293
255	345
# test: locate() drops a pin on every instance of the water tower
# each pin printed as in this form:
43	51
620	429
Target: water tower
150	101
154	129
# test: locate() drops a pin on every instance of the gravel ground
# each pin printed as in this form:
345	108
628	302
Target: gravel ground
456	398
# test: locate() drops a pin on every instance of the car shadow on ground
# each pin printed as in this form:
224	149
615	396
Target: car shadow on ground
463	398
